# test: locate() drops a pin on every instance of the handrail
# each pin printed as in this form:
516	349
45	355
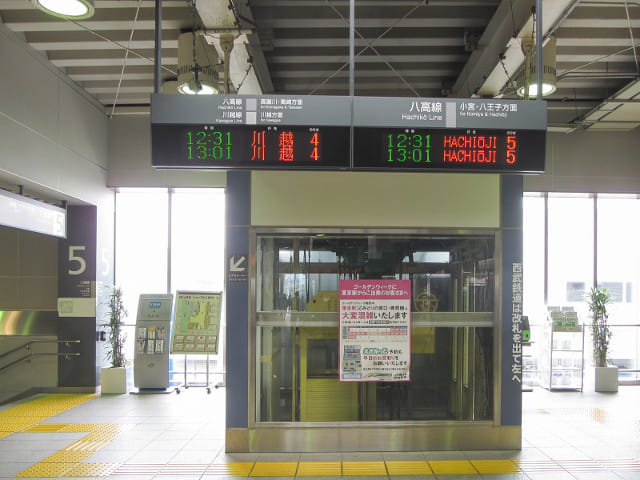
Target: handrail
28	357
30	354
30	342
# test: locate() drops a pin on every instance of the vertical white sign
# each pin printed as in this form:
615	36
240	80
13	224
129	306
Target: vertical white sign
516	322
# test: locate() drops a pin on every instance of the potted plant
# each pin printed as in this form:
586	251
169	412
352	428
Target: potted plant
114	378
606	377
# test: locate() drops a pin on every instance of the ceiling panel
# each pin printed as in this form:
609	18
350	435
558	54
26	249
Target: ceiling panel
402	48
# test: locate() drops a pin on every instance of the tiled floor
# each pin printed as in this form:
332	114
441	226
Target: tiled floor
566	435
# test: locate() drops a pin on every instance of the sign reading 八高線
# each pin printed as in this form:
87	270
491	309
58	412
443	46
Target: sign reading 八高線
375	329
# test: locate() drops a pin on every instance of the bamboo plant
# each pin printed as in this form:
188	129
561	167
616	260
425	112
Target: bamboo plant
116	337
598	300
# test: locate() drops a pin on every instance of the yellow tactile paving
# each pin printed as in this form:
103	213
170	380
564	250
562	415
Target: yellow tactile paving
25	416
46	427
495	466
452	467
85	445
416	467
113	428
13	427
364	468
68	457
319	469
25	419
92	470
234	469
100	437
67	462
46	469
274	469
84	427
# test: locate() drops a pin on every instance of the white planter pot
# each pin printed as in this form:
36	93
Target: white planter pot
113	380
606	379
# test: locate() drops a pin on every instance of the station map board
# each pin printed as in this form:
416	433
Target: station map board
196	322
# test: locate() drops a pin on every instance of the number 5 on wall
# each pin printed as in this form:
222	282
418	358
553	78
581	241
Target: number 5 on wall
82	263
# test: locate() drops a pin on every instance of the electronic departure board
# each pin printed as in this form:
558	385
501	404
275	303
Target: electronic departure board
477	150
309	132
252	147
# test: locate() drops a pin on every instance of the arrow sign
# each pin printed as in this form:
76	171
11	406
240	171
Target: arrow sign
235	265
238	271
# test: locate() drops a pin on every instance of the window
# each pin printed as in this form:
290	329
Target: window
197	239
572	255
570	251
619	272
533	256
141	248
197	253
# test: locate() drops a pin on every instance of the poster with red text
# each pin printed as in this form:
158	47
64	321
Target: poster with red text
375	330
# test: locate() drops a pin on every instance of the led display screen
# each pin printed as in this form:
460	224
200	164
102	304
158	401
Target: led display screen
449	149
250	146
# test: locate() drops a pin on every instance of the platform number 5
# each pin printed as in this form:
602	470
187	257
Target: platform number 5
74	257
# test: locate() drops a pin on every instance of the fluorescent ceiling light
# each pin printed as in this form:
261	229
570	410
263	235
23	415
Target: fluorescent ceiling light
196	65
548	80
196	88
547	89
73	9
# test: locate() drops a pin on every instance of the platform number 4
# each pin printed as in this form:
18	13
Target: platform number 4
314	150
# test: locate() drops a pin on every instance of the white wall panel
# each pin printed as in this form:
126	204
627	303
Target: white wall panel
29	92
601	162
375	199
42	161
52	136
83	129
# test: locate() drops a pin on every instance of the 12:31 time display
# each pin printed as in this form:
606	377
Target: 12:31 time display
448	149
202	144
409	146
254	147
470	147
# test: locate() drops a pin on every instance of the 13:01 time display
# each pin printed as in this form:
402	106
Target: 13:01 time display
448	149
203	144
456	148
250	146
412	147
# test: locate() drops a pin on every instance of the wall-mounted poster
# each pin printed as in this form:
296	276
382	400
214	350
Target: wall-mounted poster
196	322
375	330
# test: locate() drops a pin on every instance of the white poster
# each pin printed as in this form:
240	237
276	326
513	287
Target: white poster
375	330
